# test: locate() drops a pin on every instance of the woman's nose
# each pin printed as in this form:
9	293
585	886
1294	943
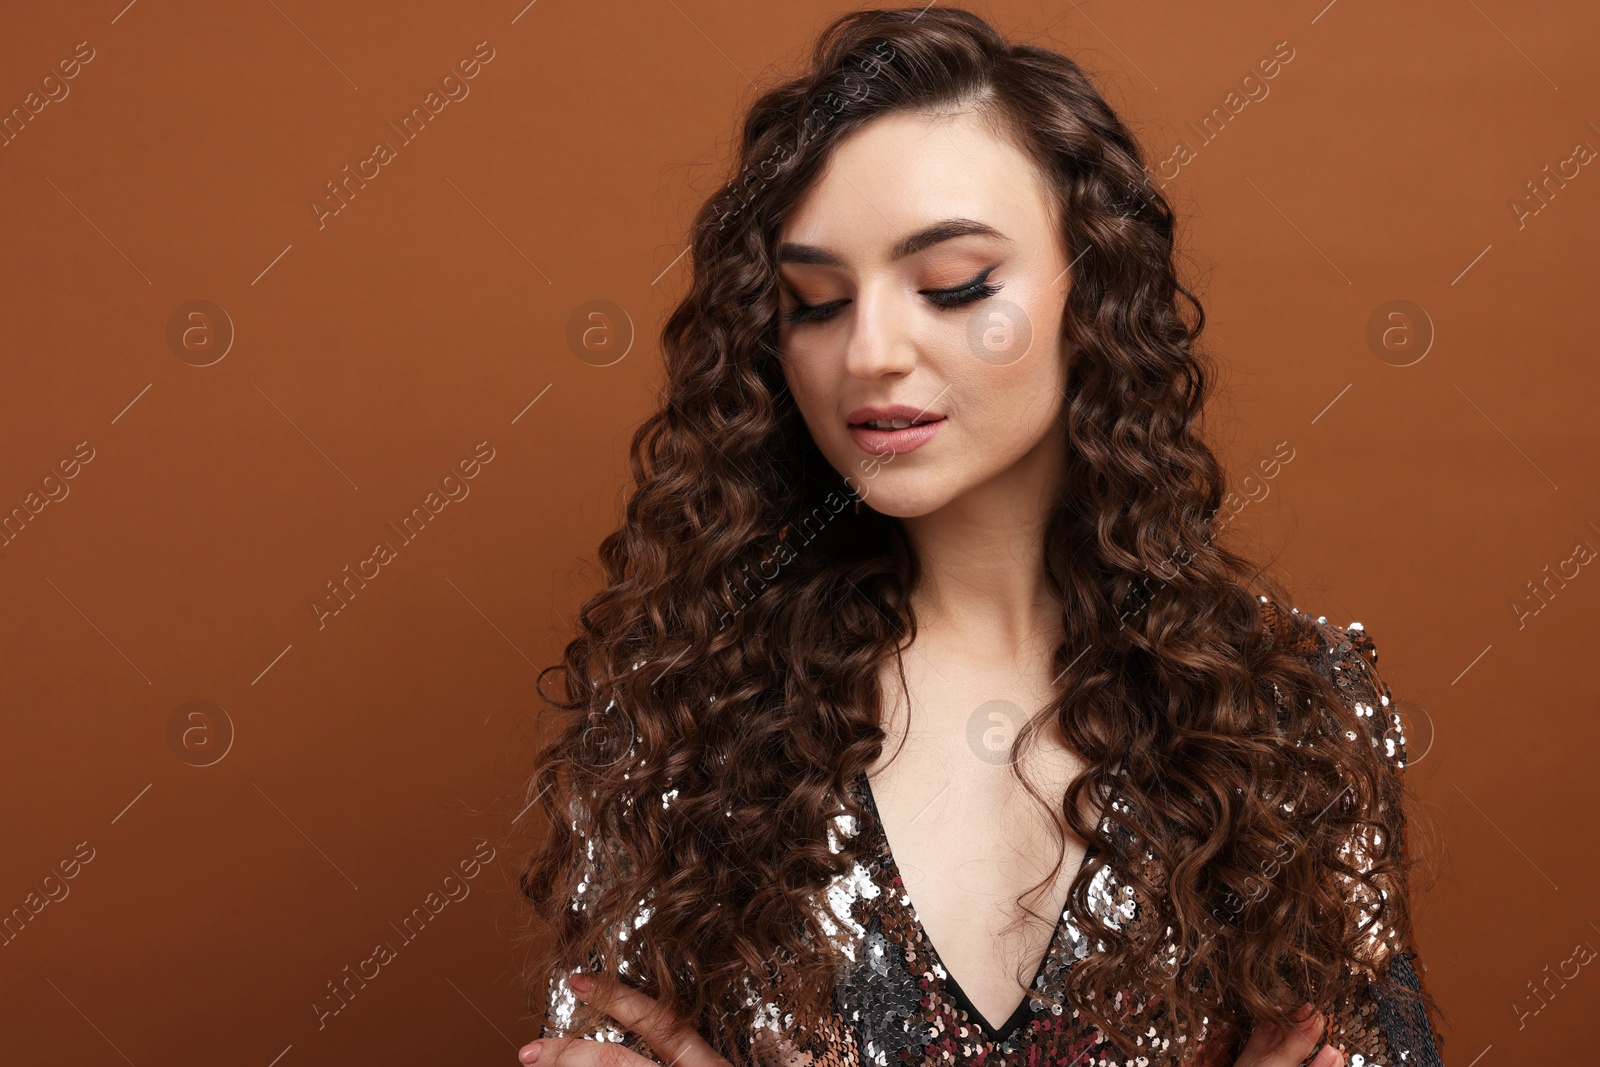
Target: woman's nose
881	339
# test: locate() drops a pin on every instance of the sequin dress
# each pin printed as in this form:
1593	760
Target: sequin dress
897	1004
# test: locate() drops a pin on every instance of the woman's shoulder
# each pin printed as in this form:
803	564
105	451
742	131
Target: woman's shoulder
1348	658
1329	646
1297	629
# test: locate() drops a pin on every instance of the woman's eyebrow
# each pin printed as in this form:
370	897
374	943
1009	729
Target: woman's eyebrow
790	252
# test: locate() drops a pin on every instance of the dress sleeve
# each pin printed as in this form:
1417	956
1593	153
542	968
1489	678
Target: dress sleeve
561	1002
1378	1028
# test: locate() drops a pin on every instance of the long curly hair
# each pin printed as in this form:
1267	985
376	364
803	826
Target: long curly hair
723	689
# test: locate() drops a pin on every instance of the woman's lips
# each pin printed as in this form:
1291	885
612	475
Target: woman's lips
879	442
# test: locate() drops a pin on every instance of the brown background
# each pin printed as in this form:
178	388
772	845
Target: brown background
373	352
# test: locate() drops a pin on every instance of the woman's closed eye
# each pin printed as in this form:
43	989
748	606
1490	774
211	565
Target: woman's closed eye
977	289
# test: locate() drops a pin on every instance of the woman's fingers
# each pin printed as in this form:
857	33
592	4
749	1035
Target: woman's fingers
668	1038
675	1043
1272	1046
580	1052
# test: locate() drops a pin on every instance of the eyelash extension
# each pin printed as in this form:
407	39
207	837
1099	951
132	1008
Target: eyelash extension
944	299
973	291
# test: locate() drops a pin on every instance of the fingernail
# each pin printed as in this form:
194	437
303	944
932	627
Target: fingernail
1327	1057
530	1054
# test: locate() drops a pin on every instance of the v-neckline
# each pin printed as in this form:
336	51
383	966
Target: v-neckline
1022	1012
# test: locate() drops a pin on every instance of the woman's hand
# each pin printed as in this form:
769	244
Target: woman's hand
675	1043
1273	1046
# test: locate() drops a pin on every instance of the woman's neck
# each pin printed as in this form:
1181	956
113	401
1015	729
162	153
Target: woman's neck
983	579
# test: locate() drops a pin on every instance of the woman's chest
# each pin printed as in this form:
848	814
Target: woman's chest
957	817
897	1002
975	853
954	787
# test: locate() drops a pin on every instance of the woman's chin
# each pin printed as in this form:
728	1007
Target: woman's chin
905	502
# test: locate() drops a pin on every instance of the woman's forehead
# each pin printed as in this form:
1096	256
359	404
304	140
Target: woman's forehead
903	172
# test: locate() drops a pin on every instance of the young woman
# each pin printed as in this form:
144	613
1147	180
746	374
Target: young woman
929	471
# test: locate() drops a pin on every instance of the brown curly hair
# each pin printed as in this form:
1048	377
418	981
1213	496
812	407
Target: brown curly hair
730	663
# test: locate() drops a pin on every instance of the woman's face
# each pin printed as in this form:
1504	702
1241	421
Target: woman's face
924	271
